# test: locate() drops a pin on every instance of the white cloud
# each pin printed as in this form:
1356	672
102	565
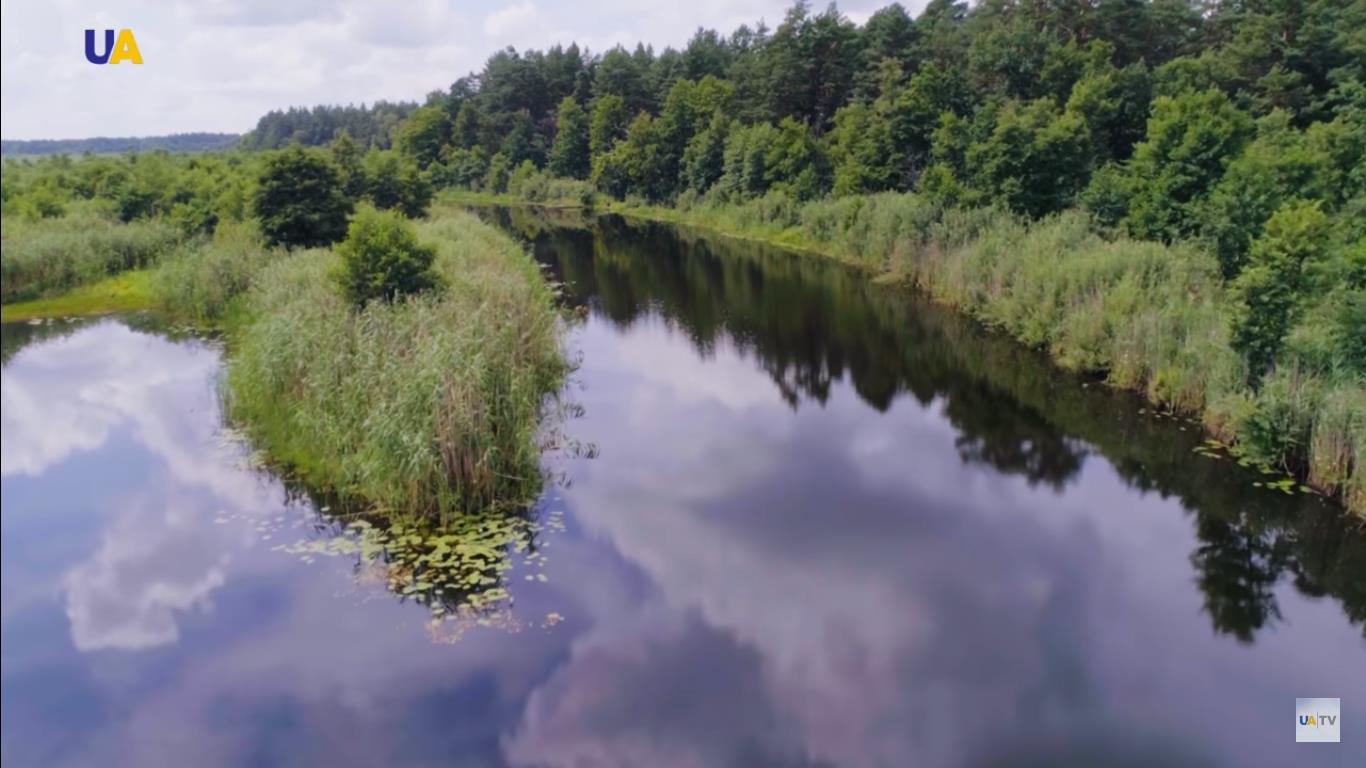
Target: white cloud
218	66
512	20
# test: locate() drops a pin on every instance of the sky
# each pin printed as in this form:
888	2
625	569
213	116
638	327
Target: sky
218	65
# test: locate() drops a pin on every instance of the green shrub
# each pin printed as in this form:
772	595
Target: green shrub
396	183
1267	295
382	258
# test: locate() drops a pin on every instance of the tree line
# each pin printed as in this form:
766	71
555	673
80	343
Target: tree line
372	126
105	145
1167	119
1241	125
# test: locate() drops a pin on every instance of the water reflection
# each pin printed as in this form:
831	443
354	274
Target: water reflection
948	531
809	323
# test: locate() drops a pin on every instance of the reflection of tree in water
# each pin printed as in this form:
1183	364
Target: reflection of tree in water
809	323
1239	568
1016	441
16	336
806	323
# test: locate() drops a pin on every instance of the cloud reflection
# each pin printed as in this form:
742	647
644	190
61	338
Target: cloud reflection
149	569
162	555
817	600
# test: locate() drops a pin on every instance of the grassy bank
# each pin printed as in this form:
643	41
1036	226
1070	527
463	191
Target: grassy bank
429	404
49	257
125	292
1147	317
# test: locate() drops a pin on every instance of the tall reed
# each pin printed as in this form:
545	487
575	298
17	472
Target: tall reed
426	406
49	256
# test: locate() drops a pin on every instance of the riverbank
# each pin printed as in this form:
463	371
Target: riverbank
51	257
124	292
1143	316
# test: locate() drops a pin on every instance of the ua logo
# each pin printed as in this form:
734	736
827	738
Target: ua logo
125	49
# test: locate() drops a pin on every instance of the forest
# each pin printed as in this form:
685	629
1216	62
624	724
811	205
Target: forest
1170	195
104	145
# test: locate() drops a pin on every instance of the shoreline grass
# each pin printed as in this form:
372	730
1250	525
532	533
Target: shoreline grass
423	407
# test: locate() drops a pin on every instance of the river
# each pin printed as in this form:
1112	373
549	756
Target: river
795	518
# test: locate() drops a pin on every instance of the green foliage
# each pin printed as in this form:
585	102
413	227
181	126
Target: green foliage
424	134
372	126
394	182
465	168
1281	164
1268	294
1036	158
348	157
861	151
608	123
46	257
199	280
1106	196
637	163
534	186
1114	105
570	155
1039	95
704	157
1191	139
300	201
496	177
785	158
382	259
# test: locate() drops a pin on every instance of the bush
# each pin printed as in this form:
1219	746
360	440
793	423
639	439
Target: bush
395	183
382	258
1268	293
300	200
540	187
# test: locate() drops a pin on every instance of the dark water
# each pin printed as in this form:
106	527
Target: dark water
812	522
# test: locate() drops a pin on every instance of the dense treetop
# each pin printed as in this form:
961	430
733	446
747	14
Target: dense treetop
372	126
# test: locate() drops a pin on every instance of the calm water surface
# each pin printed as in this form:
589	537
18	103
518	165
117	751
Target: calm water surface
807	521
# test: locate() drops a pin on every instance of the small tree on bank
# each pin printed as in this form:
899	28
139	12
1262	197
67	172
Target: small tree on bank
300	200
382	258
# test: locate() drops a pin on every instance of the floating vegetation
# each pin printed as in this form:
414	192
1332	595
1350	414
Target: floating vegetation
1275	478
458	570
